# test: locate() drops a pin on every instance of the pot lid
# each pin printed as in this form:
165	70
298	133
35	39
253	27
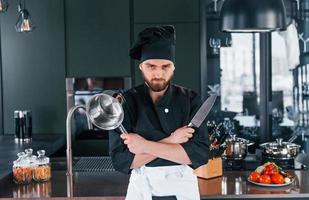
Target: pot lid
279	146
234	139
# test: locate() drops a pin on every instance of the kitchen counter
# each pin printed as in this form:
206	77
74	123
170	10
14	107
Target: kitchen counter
232	185
8	148
113	185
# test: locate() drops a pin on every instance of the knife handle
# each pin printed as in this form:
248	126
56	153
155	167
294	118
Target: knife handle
190	125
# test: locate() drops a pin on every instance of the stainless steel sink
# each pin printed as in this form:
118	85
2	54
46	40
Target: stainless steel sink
84	164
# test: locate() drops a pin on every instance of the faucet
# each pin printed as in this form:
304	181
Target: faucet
69	172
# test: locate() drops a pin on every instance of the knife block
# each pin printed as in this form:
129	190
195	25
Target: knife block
210	170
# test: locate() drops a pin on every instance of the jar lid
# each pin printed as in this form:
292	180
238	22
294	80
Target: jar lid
20	161
29	158
42	159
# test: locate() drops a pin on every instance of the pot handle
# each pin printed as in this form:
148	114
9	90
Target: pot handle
250	143
122	129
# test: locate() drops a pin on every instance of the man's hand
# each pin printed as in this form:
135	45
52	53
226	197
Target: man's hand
136	143
181	135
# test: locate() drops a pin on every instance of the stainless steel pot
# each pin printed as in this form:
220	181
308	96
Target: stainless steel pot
105	112
280	149
236	148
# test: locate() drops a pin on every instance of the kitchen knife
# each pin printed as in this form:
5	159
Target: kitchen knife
202	112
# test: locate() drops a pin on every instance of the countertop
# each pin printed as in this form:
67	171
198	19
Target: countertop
232	185
8	148
113	185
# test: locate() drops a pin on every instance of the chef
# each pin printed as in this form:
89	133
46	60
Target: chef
159	151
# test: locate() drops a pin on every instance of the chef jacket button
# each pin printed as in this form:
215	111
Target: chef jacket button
166	110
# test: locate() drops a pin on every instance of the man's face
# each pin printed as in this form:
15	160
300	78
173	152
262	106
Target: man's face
157	73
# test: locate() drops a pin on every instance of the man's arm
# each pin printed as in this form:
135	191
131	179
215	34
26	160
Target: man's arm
172	152
143	159
179	136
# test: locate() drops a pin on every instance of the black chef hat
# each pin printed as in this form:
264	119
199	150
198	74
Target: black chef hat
155	43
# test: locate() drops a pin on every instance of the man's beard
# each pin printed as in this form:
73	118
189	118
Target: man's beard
158	85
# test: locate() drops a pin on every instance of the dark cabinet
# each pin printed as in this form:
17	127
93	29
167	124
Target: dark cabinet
97	38
166	11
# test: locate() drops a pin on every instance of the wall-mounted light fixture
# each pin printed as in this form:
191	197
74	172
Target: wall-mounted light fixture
4	5
24	22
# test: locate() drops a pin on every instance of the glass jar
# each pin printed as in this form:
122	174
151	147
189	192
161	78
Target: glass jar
42	170
22	170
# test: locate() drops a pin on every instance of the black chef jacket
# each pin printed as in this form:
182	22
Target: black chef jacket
157	121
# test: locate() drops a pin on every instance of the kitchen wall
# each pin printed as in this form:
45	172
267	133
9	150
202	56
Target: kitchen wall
78	38
33	67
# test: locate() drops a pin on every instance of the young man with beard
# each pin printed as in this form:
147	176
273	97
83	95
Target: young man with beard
159	147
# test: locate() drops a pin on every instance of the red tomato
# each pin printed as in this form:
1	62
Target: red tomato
265	179
254	176
267	171
19	171
271	166
275	173
270	170
277	179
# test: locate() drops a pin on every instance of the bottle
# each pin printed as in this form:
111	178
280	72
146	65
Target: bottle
42	170
17	125
27	125
21	125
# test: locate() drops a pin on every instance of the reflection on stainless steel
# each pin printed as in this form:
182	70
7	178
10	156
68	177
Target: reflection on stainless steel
33	190
224	185
238	185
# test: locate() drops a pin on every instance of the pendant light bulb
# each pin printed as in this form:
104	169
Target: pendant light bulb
24	22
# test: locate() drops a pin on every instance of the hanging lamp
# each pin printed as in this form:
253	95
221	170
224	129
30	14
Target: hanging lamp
253	16
24	22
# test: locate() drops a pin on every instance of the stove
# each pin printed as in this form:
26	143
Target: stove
252	161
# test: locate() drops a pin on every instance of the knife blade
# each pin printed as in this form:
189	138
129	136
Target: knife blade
202	112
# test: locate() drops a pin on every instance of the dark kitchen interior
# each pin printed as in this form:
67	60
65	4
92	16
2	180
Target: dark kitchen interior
80	48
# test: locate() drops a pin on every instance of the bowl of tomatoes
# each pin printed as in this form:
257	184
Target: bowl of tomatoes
270	175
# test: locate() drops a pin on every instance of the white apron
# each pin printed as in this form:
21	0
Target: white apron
178	180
